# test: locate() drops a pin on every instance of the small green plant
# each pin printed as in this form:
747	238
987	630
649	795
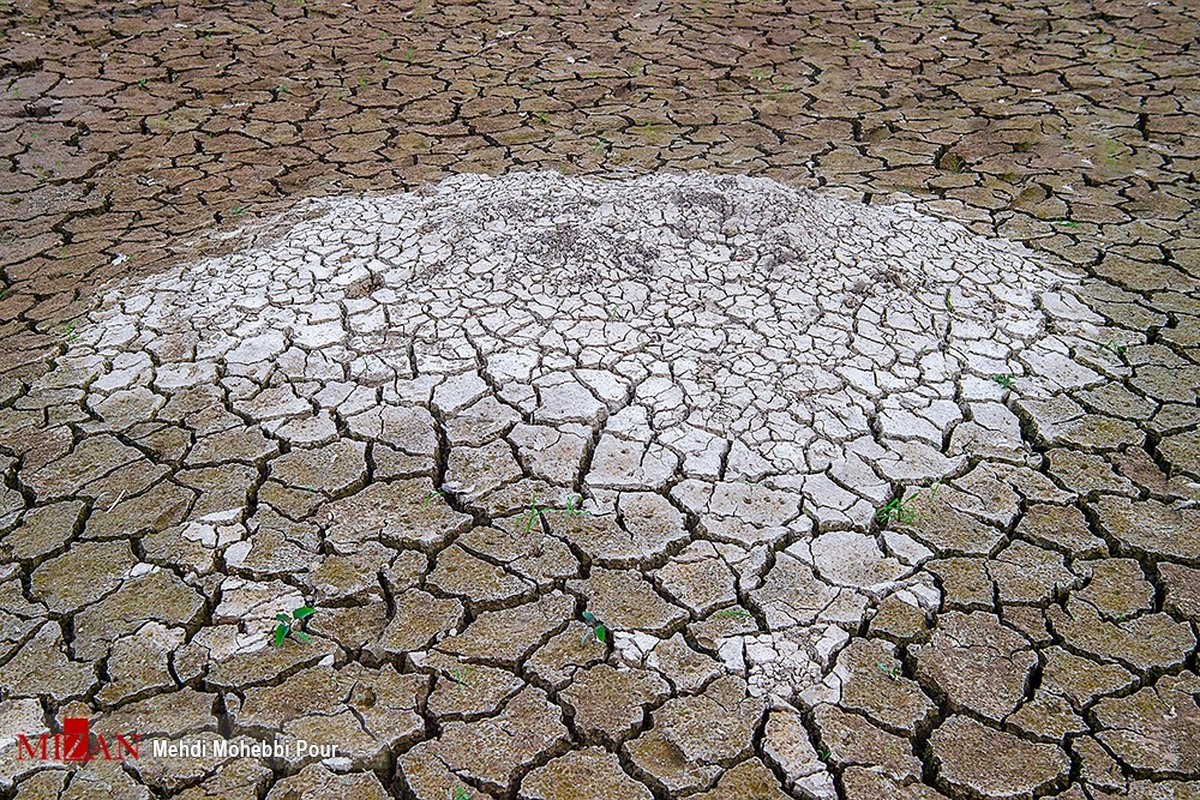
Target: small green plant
1112	152
429	497
5	292
1005	381
955	163
142	83
462	675
293	625
738	613
1113	347
596	629
1066	223
892	672
898	510
949	303
69	334
823	753
542	117
574	507
532	515
237	211
460	793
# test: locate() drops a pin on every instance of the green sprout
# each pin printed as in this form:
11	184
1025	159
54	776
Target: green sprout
823	753
739	613
532	515
460	793
949	303
293	625
574	507
462	675
1113	347
596	629
892	672
1005	381
1066	223
897	510
1112	152
429	497
142	83
955	163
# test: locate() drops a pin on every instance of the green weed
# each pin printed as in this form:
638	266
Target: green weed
1113	152
460	793
293	625
429	497
1113	347
892	672
955	163
574	507
738	613
898	511
462	676
596	629
533	514
1005	381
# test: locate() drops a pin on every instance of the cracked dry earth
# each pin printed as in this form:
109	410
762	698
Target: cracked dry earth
454	419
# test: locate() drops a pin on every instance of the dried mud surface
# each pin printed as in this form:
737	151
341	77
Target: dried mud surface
674	394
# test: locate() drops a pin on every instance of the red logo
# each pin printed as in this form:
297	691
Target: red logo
75	744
